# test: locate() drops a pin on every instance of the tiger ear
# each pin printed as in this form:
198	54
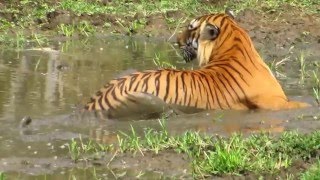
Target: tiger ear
209	32
230	13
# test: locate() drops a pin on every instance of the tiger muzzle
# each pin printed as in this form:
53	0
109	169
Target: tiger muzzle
188	53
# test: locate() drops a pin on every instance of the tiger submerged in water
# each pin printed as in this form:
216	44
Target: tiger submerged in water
232	75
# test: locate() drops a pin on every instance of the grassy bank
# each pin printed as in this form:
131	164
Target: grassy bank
312	173
32	21
256	155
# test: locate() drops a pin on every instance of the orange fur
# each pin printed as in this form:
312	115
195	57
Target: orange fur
232	75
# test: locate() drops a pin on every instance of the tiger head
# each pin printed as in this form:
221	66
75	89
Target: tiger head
205	35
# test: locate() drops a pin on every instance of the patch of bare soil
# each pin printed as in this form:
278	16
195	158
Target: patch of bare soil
276	33
271	32
168	163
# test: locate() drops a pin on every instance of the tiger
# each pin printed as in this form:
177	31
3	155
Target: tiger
231	74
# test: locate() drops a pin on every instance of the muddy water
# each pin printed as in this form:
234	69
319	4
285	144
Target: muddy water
49	84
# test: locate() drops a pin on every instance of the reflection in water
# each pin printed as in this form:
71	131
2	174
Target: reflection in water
39	86
47	84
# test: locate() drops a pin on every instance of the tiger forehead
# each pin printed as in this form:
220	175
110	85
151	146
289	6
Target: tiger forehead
195	23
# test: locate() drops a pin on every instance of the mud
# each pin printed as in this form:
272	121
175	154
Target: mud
272	32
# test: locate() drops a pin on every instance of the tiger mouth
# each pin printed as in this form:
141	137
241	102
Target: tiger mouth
188	53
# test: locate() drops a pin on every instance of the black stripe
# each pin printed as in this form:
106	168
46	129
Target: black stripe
145	83
157	82
121	85
137	85
184	88
177	89
191	90
167	86
224	85
240	64
210	90
215	16
221	92
197	83
230	85
245	49
100	103
201	79
93	107
235	70
233	78
106	100
194	94
98	93
215	92
223	21
132	80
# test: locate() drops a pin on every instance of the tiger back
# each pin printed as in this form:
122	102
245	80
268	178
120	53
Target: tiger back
231	74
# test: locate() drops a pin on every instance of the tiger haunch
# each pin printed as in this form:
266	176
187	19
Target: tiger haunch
232	75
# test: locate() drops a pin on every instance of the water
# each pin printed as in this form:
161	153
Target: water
49	84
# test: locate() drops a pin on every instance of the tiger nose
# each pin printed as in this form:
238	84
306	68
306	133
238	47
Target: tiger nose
180	41
182	38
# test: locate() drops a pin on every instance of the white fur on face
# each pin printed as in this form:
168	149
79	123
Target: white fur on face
204	49
193	24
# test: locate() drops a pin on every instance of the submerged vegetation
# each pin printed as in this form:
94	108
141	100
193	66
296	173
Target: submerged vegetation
214	155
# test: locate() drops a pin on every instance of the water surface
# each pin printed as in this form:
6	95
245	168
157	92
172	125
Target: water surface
49	84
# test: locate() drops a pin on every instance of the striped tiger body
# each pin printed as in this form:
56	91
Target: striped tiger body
232	75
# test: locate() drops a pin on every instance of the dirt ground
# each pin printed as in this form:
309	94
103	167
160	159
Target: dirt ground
278	30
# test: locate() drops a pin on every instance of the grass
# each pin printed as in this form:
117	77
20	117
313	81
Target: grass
316	87
213	155
19	40
302	62
312	173
84	28
29	15
274	5
2	176
78	148
161	63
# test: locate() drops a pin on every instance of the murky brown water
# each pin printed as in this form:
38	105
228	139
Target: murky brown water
47	85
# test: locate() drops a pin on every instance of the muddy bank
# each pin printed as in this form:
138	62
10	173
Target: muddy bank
280	26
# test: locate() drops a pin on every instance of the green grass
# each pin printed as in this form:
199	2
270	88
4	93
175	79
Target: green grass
312	173
77	149
84	28
19	40
309	6
214	155
316	87
29	16
302	61
2	176
83	7
162	63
